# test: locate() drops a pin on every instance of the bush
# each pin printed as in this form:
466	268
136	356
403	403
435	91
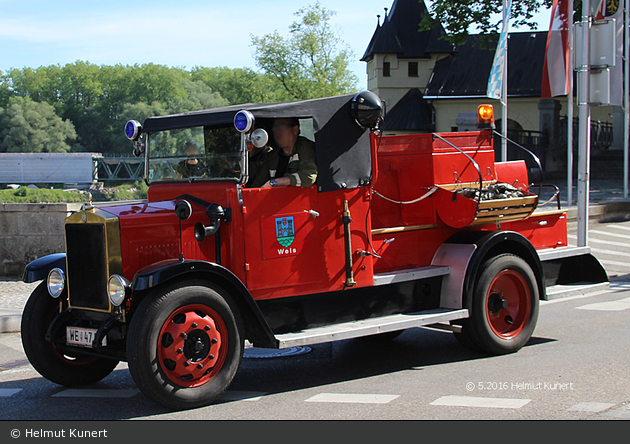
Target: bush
134	191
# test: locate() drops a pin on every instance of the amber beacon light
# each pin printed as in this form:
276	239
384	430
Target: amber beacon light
485	116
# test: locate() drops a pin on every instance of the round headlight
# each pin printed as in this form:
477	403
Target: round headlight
244	121
132	130
116	288
56	282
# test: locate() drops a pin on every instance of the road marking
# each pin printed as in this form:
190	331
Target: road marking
599	241
621	227
618	264
97	393
620	305
623	412
353	398
6	393
472	401
607	233
242	396
595	407
611	252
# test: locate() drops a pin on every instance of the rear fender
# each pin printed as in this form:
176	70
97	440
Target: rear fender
257	329
490	244
38	269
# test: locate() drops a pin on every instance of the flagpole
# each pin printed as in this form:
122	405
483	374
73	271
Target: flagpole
585	127
570	113
504	95
626	98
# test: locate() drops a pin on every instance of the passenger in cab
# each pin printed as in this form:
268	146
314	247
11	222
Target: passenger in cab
191	167
292	162
257	158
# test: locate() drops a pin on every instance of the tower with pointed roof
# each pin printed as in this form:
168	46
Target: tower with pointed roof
400	58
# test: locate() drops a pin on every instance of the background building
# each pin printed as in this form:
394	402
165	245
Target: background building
428	84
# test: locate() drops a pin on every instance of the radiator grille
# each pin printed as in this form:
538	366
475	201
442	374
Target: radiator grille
87	265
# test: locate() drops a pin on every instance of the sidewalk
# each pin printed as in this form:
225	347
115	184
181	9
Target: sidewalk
606	203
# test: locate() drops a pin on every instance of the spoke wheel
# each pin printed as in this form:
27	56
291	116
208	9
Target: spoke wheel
184	344
193	345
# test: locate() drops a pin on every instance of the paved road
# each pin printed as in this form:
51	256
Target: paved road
575	367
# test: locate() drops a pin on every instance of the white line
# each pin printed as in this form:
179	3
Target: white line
606	233
242	396
591	407
618	413
599	241
472	401
6	393
620	227
620	305
610	252
97	393
352	398
614	263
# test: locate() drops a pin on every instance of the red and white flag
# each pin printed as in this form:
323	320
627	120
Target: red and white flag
556	71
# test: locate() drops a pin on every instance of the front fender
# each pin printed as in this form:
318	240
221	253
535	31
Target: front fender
38	269
258	329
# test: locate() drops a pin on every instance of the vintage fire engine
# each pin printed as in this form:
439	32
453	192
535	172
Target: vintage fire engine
399	231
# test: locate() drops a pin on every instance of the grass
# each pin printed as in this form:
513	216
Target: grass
40	195
134	191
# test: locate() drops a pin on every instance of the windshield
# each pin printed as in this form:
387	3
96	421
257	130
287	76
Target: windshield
196	154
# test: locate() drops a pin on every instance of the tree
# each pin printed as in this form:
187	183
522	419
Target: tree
27	126
312	61
460	17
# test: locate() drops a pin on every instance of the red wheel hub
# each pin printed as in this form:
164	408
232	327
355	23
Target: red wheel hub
508	304
192	345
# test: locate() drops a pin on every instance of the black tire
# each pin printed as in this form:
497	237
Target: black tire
165	364
61	369
504	307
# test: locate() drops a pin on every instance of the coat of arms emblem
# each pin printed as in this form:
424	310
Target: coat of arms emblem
285	231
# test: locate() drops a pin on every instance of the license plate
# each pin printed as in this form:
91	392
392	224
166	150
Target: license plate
83	337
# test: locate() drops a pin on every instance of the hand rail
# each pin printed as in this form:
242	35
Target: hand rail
475	164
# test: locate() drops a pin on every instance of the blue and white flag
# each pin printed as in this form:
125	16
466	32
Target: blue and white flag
495	81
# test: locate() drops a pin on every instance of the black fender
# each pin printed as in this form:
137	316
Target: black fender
257	329
38	269
494	243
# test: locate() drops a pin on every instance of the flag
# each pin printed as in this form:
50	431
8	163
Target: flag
556	69
611	9
495	81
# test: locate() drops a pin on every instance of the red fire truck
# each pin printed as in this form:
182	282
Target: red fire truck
399	231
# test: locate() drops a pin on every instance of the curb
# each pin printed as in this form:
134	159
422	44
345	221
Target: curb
606	212
10	321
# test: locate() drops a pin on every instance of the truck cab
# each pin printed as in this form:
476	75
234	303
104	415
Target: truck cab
398	231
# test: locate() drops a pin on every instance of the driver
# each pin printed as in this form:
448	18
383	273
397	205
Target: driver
292	162
191	167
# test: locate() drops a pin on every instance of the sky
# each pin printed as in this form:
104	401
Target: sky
184	33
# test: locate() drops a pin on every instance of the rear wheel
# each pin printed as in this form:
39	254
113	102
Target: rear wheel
504	308
53	365
184	345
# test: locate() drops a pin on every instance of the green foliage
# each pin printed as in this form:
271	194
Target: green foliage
459	17
33	127
40	195
134	191
312	61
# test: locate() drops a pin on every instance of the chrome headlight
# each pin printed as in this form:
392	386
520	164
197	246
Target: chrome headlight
56	282
116	289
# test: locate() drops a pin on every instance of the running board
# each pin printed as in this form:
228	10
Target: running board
368	327
411	274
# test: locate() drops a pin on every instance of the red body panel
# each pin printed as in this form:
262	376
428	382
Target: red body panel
288	241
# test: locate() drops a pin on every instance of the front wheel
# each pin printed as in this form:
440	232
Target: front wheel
52	364
504	308
184	345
